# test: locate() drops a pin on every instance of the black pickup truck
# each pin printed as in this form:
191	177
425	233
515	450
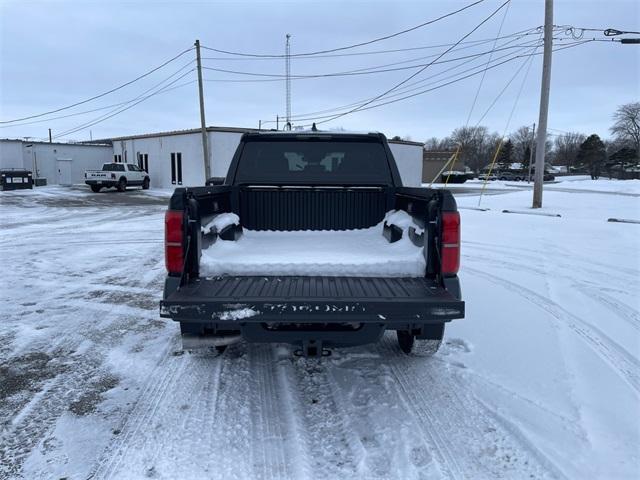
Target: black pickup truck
311	239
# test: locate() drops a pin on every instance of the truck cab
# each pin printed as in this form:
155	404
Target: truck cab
118	175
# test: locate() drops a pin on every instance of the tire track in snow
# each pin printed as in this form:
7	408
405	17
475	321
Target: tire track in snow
627	367
619	308
323	426
533	257
273	443
616	306
192	421
467	439
388	444
30	424
145	407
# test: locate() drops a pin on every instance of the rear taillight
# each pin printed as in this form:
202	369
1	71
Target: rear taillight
173	237
450	243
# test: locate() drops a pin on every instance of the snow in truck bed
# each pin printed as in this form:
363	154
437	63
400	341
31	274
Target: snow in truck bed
354	253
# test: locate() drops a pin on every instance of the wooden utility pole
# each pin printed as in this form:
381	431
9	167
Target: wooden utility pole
544	104
50	141
533	139
203	123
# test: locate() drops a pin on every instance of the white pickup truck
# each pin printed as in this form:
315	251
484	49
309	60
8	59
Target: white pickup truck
119	175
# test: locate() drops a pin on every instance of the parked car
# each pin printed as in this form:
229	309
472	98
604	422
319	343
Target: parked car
487	176
453	176
510	176
312	240
15	179
118	175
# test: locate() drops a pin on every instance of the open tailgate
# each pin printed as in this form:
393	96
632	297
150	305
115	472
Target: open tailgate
312	299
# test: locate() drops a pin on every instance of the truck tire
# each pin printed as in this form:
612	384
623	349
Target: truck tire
145	183
405	341
95	188
122	184
426	346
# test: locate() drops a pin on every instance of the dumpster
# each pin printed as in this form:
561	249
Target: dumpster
15	179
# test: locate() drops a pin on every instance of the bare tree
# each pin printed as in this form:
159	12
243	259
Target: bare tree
439	144
566	147
626	126
477	145
521	140
432	143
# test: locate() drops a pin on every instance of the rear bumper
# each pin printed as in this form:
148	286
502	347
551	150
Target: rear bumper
232	302
102	183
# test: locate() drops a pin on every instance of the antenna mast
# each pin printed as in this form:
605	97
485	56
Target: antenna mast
288	81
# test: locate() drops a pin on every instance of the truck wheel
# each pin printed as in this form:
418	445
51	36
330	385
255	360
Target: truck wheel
122	185
427	345
145	183
427	348
405	341
95	188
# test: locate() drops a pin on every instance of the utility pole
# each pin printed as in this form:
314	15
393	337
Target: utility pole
533	139
50	141
544	104
203	123
259	124
288	81
277	122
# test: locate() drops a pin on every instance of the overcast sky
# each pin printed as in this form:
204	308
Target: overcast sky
54	54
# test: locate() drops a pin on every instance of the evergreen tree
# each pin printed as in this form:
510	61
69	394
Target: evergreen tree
505	159
526	157
592	154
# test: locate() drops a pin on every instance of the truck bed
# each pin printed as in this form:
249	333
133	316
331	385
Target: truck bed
352	253
312	299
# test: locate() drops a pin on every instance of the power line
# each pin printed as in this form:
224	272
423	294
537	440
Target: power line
101	94
422	69
355	45
528	31
106	107
509	58
484	73
110	115
368	70
515	75
143	95
414	86
275	77
475	98
575	44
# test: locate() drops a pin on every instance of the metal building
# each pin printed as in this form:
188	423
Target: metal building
175	158
58	163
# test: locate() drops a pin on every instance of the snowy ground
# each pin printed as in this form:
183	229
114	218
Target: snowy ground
541	380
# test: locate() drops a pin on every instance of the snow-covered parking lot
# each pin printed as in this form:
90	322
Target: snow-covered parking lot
541	380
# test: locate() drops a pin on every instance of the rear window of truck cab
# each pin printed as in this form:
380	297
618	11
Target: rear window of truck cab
113	167
313	161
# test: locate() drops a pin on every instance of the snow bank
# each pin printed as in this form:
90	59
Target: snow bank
363	253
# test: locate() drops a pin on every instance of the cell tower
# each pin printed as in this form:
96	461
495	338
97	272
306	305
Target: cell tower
288	81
